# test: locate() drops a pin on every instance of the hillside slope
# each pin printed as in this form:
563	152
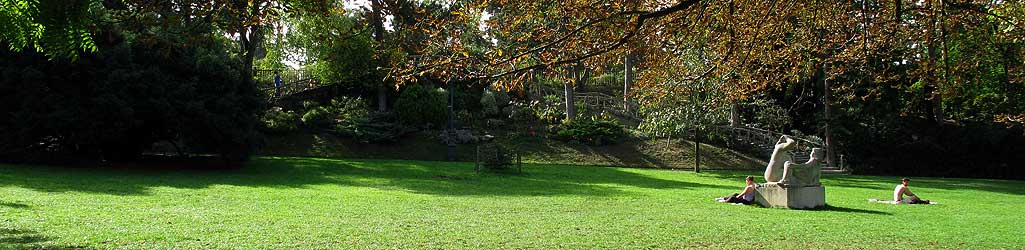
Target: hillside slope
631	152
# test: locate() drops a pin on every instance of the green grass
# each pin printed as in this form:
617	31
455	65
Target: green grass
303	203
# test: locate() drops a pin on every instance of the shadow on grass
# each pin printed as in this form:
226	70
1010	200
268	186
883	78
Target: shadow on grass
13	205
438	178
25	239
851	210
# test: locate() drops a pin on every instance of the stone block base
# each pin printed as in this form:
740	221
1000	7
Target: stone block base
772	195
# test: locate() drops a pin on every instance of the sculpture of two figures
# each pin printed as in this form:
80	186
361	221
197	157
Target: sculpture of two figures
784	172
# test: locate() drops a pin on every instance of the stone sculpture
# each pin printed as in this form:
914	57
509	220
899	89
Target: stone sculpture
804	175
780	156
789	184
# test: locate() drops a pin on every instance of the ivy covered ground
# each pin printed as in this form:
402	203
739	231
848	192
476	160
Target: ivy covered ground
308	203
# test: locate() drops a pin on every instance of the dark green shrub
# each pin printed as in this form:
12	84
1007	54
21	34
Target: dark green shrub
523	113
373	128
488	104
495	157
345	108
422	107
549	109
493	103
593	131
278	121
318	117
340	109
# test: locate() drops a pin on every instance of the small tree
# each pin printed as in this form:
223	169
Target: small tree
673	102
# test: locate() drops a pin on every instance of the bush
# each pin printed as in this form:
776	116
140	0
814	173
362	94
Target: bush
495	104
373	128
523	113
422	107
771	115
345	108
594	131
489	105
317	117
549	109
278	121
340	109
495	157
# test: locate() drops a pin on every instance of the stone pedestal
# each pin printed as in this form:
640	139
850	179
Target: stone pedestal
772	195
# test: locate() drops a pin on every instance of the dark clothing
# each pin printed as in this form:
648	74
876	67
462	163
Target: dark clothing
918	201
735	198
277	84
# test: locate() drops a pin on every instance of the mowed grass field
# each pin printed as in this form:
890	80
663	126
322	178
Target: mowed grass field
307	203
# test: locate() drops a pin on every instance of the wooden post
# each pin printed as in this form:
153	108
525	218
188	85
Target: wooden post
519	162
697	150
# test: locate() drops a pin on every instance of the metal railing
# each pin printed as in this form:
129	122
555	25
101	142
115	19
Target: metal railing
292	81
766	140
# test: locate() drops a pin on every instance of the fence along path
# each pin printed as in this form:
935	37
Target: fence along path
599	93
765	141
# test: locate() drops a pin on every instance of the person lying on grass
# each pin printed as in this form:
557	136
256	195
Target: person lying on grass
901	190
745	197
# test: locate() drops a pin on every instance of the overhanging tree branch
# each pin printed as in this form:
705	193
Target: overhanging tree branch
642	17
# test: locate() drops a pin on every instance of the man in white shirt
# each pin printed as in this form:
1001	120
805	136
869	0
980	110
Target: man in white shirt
901	190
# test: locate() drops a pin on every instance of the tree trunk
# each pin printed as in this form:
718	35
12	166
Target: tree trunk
627	81
584	75
571	99
377	17
932	82
382	98
248	53
938	93
735	115
826	102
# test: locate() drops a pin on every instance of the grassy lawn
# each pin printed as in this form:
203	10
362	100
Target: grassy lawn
287	203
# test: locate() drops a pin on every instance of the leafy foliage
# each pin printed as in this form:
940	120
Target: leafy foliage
596	130
496	157
494	102
549	109
57	28
116	103
770	115
338	111
279	121
376	127
335	46
318	117
421	106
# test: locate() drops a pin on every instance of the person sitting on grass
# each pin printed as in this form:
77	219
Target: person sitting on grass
745	197
901	190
